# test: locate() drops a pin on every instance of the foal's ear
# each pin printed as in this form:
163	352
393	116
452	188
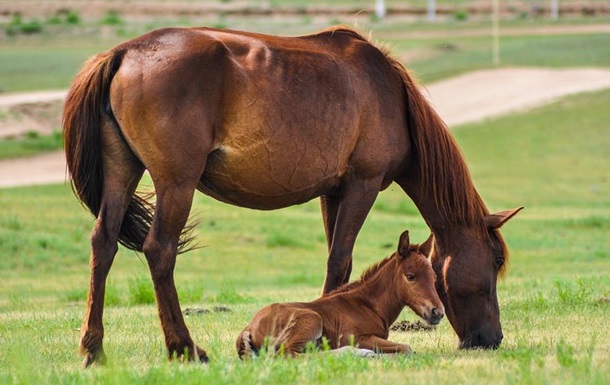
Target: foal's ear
426	247
403	244
495	221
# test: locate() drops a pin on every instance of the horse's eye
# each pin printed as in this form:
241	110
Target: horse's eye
410	277
499	261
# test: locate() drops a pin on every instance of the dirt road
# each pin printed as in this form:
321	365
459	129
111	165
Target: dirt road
468	98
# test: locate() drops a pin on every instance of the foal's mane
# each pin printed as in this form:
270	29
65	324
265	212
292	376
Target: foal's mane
364	277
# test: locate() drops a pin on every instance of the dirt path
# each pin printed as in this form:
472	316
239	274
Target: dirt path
468	98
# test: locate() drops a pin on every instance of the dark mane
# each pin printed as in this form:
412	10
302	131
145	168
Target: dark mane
364	277
443	170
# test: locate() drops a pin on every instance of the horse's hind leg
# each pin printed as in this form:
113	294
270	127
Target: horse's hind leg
122	172
171	214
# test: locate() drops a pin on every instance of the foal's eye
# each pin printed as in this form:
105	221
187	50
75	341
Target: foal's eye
410	277
499	261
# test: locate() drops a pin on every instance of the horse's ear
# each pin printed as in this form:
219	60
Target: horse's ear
495	221
403	244
426	247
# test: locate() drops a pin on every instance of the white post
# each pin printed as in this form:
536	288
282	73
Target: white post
495	32
380	9
431	11
554	9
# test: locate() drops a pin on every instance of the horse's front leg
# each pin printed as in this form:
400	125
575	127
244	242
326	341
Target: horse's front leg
380	345
160	248
349	215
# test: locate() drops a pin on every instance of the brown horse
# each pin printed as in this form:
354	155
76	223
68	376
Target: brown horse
266	122
358	313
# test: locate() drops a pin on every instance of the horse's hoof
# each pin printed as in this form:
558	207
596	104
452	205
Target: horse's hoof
195	354
202	355
203	358
94	358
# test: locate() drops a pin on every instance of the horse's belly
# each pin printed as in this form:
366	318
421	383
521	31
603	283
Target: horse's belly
258	178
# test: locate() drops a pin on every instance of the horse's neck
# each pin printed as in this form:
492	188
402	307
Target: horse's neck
443	228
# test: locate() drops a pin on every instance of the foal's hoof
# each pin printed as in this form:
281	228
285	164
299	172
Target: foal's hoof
94	358
355	351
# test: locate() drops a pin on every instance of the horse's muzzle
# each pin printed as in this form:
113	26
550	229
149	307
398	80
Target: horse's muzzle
481	341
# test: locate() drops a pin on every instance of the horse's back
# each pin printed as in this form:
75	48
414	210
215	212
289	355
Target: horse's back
275	120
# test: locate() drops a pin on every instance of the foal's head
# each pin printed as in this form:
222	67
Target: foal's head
415	280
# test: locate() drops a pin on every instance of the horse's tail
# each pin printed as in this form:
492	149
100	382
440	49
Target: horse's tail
442	167
86	104
244	346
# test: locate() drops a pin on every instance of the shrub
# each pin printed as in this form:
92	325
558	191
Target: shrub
461	15
112	18
72	17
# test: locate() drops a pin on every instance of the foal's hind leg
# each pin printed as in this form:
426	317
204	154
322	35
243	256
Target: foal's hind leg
122	171
307	328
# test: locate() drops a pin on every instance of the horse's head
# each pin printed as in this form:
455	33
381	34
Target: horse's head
468	265
416	282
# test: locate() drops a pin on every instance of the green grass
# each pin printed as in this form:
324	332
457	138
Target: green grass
555	300
434	59
39	63
31	144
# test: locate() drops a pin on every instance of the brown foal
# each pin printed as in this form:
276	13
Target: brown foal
359	313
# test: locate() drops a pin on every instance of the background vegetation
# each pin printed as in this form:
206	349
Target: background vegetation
555	300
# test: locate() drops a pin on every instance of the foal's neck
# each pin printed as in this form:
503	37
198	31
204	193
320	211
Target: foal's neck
380	293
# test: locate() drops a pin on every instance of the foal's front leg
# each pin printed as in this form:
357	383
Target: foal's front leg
381	345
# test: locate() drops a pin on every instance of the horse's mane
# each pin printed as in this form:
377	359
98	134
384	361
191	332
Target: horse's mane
442	167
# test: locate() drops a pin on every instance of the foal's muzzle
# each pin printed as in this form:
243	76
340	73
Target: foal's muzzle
434	316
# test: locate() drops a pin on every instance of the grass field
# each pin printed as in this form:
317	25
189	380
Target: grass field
555	300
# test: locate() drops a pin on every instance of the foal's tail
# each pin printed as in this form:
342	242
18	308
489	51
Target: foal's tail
86	105
244	346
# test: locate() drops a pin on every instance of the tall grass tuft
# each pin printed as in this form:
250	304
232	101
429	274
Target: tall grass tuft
141	291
